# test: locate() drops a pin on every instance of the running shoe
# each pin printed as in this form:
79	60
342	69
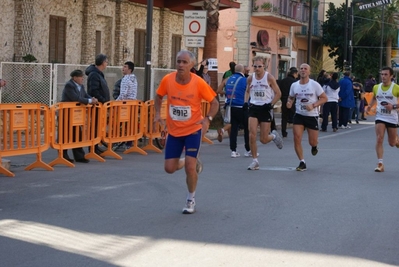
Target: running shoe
190	207
380	168
301	167
277	140
253	166
199	166
235	154
314	150
249	154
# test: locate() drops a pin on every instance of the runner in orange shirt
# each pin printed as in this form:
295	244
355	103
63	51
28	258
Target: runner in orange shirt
185	124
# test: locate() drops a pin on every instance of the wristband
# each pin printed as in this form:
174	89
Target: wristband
395	106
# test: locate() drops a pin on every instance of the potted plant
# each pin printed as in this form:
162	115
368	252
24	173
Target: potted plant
255	6
29	58
266	6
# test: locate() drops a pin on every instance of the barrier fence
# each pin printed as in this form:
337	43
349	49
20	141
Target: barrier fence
33	128
74	125
24	130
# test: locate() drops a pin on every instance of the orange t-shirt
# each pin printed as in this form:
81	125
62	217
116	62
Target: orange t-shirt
184	103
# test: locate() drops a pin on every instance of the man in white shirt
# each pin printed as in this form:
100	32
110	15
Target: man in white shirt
129	83
308	95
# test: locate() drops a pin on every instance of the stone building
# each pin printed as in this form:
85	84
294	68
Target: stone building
74	31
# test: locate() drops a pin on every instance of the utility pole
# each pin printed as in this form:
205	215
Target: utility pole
310	31
382	38
346	35
148	44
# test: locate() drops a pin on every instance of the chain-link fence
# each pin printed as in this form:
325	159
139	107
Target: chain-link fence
44	82
26	82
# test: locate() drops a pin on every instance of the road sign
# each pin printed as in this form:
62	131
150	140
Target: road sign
375	3
194	23
194	41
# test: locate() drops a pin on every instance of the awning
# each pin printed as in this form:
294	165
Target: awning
284	58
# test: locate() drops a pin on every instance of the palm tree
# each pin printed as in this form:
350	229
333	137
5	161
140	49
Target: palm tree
369	25
210	49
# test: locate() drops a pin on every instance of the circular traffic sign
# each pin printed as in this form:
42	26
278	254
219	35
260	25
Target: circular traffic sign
194	26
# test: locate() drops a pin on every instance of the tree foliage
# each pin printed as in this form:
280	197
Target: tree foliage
366	37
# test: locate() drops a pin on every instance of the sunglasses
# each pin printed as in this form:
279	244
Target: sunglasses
257	66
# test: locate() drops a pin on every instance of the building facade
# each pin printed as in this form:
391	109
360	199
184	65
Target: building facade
275	29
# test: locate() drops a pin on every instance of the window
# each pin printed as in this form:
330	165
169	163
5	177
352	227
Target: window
139	48
57	41
176	47
98	43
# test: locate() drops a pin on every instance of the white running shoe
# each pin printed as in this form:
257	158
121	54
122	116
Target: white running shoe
249	154
190	207
278	140
253	166
235	154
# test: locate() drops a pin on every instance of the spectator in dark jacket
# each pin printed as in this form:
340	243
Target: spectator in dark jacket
97	85
287	114
74	91
369	84
346	100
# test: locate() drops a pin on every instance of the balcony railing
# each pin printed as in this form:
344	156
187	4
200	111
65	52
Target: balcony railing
286	9
317	30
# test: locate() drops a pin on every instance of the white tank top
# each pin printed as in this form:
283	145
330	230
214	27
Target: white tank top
260	91
383	98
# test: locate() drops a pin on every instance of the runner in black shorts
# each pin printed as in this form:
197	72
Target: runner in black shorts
308	95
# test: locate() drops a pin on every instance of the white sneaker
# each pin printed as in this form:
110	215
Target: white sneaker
249	153
235	154
190	207
277	140
253	166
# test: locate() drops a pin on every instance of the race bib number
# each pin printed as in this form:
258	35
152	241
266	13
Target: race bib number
180	113
385	111
259	95
303	107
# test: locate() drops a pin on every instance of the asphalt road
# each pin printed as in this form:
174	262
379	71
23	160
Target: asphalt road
128	212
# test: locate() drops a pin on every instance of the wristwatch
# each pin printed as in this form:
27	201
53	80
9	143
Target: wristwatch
209	118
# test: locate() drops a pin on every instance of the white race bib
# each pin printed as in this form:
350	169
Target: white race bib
180	113
259	95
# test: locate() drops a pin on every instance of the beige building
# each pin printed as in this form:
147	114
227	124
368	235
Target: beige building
277	30
74	31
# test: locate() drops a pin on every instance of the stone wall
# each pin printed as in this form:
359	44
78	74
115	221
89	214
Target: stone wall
69	9
7	20
27	31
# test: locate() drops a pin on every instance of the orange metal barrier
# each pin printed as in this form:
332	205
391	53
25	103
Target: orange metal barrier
205	109
369	97
24	130
153	130
78	125
124	124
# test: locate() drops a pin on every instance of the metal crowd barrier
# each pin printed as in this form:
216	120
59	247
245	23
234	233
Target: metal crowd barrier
24	130
33	128
153	129
75	125
125	122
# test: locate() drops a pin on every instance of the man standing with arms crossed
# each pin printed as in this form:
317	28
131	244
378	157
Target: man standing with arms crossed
308	95
185	124
386	95
263	91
